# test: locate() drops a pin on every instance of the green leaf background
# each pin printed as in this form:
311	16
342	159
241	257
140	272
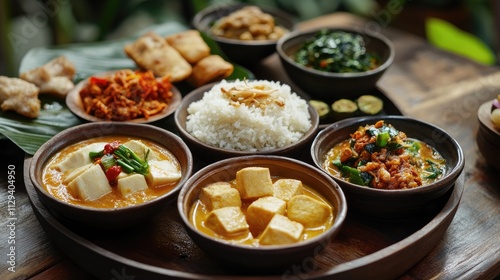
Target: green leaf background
89	59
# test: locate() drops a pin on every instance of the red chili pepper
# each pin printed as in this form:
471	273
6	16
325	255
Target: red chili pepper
111	147
113	172
99	81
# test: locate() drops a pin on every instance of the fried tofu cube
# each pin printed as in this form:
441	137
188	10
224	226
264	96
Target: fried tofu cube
92	184
219	195
210	69
131	184
162	172
262	210
308	211
254	182
287	188
281	230
227	221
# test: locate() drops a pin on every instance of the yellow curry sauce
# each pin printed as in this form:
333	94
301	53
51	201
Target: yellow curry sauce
198	215
379	156
53	178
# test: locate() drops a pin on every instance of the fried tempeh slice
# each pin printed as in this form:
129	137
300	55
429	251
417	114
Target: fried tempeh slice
19	96
152	52
55	77
190	45
209	69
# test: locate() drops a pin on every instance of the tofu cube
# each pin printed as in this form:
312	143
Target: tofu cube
219	195
79	157
254	182
308	211
91	184
262	210
162	172
131	184
71	174
140	149
227	221
287	188
281	230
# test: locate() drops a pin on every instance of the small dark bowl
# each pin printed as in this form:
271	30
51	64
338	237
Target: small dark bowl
330	86
211	153
240	51
392	204
488	136
263	257
108	219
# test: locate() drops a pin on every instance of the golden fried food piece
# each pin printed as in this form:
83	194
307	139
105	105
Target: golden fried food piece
19	96
190	45
152	52
209	69
54	77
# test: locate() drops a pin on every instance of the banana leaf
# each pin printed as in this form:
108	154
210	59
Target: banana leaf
89	59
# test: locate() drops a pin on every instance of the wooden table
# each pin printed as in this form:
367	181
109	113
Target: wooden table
424	82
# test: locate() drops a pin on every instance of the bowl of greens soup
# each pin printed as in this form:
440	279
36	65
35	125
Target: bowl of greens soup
333	63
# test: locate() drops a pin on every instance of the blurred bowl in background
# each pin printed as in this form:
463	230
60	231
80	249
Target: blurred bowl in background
244	52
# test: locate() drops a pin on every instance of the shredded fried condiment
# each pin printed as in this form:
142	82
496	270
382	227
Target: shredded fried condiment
126	95
258	96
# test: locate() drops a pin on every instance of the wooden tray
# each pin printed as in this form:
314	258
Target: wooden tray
161	248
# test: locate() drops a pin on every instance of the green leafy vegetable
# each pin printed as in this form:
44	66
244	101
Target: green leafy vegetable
336	51
127	159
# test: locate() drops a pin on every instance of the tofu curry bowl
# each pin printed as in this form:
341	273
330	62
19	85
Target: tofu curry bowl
110	175
261	211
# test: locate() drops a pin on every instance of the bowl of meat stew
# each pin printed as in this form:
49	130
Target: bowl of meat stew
261	211
388	166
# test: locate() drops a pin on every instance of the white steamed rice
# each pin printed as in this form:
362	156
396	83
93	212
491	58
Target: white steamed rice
217	123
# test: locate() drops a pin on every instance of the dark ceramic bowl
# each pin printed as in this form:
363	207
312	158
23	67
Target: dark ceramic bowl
108	218
240	51
488	136
212	153
271	256
392	204
331	86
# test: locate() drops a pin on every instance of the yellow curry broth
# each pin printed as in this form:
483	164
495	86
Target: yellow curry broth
53	178
198	215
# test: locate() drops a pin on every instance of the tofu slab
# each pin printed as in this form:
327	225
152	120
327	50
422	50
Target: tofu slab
79	157
287	188
162	172
131	184
92	184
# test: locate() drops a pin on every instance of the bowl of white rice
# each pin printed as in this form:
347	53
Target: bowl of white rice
245	117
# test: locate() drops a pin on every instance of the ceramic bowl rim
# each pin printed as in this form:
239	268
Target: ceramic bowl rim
450	176
60	136
334	187
311	31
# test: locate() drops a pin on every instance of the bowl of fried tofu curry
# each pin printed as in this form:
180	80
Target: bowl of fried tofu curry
261	211
110	175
